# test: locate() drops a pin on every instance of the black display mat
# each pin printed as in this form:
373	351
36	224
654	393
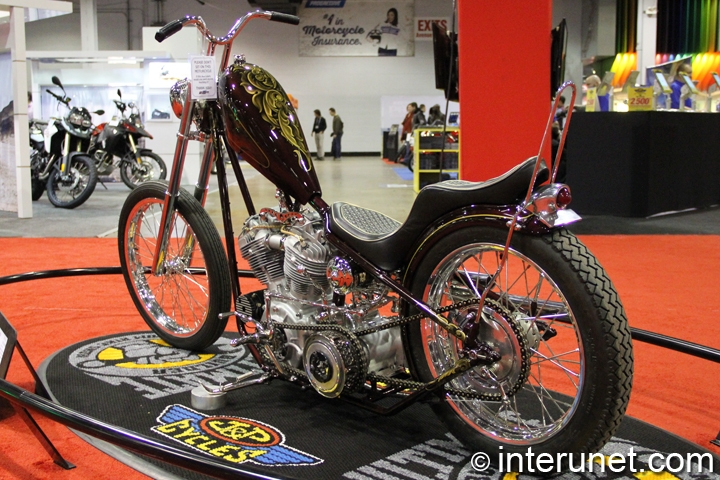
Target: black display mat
137	382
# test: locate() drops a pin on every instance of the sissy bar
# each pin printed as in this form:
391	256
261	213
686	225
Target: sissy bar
524	206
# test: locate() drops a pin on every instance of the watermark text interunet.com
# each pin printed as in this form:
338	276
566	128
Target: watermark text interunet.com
531	462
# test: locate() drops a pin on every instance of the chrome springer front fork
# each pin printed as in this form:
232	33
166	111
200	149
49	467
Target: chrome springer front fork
173	190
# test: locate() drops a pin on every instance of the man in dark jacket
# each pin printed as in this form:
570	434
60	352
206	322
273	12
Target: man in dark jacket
336	135
318	131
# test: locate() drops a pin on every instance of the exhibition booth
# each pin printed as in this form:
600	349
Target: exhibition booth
457	344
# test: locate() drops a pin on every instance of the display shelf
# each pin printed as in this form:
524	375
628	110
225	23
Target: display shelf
427	153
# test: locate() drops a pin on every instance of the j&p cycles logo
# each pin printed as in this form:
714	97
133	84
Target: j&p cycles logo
234	439
156	369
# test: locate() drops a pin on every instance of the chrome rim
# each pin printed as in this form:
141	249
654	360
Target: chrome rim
149	169
177	300
527	306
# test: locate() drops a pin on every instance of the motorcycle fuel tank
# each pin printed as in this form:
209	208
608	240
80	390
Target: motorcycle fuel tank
263	128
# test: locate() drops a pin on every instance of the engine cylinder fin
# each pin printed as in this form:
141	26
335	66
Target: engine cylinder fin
267	264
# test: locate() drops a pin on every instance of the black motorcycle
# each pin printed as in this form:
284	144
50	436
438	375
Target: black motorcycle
59	163
119	139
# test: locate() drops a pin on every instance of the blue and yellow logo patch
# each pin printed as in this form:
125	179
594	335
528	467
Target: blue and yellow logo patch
234	439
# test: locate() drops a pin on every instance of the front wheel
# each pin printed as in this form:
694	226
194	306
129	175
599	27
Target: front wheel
181	304
564	378
71	189
150	167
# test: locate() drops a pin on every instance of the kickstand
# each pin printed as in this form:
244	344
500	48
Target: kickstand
102	183
716	441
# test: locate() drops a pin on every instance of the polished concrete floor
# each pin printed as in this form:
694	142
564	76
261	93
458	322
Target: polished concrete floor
365	181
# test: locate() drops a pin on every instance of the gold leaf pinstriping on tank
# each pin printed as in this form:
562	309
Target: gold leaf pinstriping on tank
271	100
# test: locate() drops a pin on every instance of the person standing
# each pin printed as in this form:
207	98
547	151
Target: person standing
337	133
318	131
408	120
436	117
419	117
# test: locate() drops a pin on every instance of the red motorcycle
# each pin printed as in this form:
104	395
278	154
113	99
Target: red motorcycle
481	301
116	144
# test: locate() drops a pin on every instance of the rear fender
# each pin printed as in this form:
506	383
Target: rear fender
495	216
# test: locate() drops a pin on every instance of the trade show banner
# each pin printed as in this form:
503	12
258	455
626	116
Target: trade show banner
423	26
8	173
357	28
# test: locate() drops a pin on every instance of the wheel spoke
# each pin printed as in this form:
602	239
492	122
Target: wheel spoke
532	410
175	303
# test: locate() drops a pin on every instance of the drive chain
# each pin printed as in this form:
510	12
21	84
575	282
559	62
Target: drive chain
392	382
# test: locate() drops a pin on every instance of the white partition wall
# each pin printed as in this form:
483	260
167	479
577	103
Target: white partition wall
19	199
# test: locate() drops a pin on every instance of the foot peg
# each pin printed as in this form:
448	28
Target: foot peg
260	336
256	338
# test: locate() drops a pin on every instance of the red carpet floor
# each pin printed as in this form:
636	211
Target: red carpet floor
667	283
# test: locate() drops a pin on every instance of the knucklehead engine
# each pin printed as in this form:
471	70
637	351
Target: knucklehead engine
316	301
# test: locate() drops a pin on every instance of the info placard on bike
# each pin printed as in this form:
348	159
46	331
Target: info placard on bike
202	76
640	99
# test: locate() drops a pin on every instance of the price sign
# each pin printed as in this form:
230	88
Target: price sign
640	99
202	76
591	100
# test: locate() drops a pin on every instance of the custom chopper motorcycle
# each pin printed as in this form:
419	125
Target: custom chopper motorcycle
59	164
481	303
118	139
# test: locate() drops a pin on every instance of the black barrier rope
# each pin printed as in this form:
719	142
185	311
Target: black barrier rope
671	343
77	272
124	438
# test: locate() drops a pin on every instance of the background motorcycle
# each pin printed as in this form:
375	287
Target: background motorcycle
481	298
67	172
119	138
38	157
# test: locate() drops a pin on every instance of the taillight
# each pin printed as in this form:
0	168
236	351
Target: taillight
564	197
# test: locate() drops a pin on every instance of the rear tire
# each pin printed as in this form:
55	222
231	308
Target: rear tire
180	305
37	188
72	190
555	399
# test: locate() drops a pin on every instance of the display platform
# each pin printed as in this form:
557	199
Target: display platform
279	430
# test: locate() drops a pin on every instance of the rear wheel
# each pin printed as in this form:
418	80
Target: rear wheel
182	303
564	379
37	186
151	167
72	189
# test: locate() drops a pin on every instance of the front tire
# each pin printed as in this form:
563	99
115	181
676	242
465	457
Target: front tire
564	380
182	304
151	167
72	190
